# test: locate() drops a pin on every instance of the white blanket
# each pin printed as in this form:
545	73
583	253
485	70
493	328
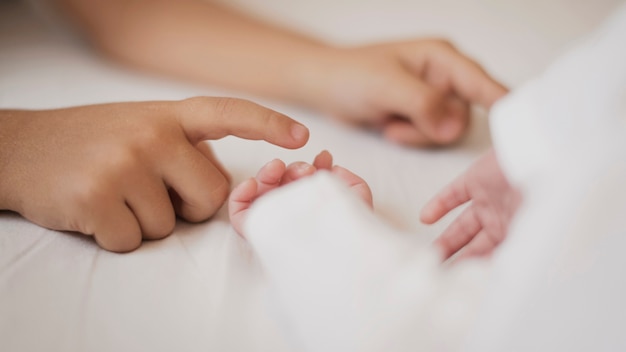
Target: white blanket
559	282
343	281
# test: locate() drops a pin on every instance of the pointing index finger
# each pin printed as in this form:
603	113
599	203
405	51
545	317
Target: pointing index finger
204	118
468	78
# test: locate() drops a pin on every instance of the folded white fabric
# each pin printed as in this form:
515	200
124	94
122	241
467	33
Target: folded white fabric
558	281
341	280
570	113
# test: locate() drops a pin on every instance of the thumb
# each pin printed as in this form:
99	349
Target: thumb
204	118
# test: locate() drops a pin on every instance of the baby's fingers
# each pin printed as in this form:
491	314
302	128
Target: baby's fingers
449	198
323	160
355	183
239	201
459	233
296	171
269	177
481	246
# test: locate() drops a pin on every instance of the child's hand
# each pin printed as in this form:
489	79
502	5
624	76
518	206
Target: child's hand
417	93
275	174
121	172
484	224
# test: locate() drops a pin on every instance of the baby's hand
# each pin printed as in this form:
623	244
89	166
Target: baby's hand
484	224
122	172
275	174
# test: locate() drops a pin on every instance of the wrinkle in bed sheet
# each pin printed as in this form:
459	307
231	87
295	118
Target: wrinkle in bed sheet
96	300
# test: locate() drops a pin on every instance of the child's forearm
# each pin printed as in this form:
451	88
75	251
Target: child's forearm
428	83
202	41
8	134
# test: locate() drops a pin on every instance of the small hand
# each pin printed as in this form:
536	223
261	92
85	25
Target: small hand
122	172
484	223
275	174
416	92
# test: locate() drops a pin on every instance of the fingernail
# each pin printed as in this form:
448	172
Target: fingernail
304	167
299	132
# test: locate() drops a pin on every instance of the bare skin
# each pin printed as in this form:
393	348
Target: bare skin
122	172
276	174
484	223
415	92
77	169
476	232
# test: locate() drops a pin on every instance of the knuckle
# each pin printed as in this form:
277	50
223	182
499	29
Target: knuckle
272	119
91	190
427	103
168	225
88	194
116	172
473	63
468	223
122	243
226	106
457	195
216	197
128	244
149	136
223	112
196	102
493	224
120	161
197	105
444	44
163	228
219	195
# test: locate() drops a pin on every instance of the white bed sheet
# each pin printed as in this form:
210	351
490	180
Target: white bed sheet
201	288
